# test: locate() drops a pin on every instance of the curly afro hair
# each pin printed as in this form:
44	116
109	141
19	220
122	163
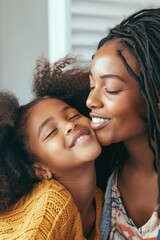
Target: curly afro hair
65	80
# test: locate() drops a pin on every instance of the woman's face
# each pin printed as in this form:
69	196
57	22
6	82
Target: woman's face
60	136
118	110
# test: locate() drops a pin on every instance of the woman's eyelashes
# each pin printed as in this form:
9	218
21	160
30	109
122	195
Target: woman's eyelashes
112	91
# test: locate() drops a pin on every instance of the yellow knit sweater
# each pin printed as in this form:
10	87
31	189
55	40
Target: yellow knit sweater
47	213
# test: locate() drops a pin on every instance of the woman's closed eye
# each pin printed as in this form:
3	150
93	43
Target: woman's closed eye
112	91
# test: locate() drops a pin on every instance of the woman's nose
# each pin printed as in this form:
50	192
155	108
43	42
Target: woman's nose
70	127
93	100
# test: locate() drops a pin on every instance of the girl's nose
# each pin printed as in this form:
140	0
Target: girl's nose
70	127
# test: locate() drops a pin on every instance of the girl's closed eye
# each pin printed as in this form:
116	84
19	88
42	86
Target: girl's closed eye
91	88
74	116
50	133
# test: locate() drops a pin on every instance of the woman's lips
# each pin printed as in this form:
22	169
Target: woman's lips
98	123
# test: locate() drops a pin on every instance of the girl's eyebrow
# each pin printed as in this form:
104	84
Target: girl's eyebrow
66	108
43	125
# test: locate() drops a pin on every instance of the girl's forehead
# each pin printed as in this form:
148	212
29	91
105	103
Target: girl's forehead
45	107
47	110
50	103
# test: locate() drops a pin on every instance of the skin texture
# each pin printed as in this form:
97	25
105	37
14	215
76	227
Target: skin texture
118	114
115	98
66	148
53	127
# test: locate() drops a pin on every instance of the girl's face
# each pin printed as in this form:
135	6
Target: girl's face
60	136
118	110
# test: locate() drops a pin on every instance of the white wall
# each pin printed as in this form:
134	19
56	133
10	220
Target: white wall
58	25
23	38
30	28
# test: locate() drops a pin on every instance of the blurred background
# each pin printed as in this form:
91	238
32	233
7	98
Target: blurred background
53	28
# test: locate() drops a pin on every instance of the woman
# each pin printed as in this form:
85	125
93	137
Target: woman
125	111
47	140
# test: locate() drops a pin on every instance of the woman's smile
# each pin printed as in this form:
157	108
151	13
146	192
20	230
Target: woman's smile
98	123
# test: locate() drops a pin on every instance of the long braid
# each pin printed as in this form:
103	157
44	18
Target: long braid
140	34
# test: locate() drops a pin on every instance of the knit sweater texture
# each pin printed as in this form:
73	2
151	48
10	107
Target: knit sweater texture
47	213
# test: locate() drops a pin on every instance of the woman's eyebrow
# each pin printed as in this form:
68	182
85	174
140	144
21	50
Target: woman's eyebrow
106	76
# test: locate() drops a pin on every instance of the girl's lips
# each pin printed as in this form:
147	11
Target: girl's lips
98	123
80	136
81	140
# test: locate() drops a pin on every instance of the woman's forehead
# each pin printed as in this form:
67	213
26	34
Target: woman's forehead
110	52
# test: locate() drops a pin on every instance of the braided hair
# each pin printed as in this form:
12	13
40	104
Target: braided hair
140	34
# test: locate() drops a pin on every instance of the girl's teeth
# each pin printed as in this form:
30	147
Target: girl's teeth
79	139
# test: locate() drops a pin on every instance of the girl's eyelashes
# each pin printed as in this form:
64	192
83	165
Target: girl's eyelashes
54	131
51	133
91	88
75	116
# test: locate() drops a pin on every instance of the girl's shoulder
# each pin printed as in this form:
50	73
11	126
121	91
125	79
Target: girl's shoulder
46	192
38	212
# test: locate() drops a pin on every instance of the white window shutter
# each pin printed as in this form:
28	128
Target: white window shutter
76	26
89	21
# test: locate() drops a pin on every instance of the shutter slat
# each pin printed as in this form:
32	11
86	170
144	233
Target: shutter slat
91	19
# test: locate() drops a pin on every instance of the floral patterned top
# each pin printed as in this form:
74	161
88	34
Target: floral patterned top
122	227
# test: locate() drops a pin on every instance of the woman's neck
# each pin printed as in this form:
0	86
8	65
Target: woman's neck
140	155
82	185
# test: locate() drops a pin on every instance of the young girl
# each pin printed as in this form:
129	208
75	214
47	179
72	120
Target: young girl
51	141
125	109
71	84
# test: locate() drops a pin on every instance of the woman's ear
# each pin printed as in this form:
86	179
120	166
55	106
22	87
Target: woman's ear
41	171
